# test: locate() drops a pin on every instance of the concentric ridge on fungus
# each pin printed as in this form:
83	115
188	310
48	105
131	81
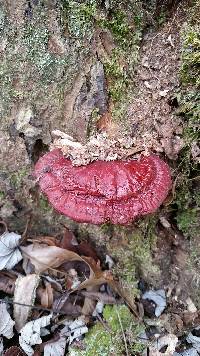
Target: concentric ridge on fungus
115	191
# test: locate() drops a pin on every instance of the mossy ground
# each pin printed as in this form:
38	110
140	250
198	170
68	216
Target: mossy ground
132	250
119	323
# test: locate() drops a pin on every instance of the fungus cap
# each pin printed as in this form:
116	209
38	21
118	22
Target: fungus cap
115	191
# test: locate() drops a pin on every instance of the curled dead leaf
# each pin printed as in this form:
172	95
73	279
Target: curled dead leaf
56	347
6	322
31	333
43	257
14	351
10	254
46	295
7	282
169	341
25	292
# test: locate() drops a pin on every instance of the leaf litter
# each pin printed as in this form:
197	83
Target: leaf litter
50	279
57	291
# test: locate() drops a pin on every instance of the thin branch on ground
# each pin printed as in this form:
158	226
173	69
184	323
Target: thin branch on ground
124	336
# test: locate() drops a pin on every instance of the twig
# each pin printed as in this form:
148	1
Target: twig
124	337
58	304
24	235
195	178
103	323
103	297
37	307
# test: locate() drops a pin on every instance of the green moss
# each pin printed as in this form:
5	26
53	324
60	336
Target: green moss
126	31
91	127
136	248
117	76
80	18
188	97
186	220
30	61
44	204
161	19
190	69
119	26
49	66
2	195
16	179
98	341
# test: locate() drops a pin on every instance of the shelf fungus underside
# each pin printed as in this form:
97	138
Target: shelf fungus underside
113	191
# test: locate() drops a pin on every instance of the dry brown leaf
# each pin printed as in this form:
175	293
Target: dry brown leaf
69	242
71	309
89	304
125	293
104	298
25	292
169	341
14	351
43	257
47	296
7	282
48	240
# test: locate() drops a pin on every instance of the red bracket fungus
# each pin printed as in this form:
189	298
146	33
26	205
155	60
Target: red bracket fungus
115	191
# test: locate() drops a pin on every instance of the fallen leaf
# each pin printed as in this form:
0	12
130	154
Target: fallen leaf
103	298
43	257
126	294
74	329
69	242
47	296
7	282
71	309
6	322
194	338
25	292
56	348
159	298
191	306
189	352
14	351
189	318
1	346
10	254
98	309
169	341
31	333
89	304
